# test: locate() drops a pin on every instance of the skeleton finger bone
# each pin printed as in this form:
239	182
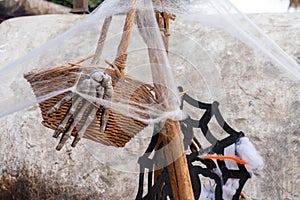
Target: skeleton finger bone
69	114
104	119
88	121
105	112
107	85
67	97
77	117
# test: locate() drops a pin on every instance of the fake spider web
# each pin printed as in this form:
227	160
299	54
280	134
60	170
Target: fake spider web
190	62
220	14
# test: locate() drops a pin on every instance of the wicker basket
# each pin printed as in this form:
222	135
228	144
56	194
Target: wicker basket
119	130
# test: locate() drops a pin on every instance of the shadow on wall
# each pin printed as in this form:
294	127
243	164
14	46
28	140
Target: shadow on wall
16	8
25	184
6	13
294	4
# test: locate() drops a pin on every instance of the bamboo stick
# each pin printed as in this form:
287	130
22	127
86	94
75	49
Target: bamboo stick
172	140
170	133
178	169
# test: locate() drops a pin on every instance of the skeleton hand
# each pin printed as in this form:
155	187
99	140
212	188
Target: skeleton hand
82	112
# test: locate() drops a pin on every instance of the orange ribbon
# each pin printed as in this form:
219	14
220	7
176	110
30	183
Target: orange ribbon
223	157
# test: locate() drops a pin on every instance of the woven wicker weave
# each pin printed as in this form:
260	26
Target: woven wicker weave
119	130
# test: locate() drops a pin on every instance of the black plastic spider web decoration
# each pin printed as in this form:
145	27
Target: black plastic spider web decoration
162	187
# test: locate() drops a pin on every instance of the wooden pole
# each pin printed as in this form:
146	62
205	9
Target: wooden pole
170	135
178	169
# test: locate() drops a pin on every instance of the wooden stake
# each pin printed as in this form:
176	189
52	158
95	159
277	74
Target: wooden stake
170	135
178	168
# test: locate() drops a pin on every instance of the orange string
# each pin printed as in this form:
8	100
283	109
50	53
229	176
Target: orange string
223	157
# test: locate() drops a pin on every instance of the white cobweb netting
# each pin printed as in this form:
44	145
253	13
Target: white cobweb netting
208	43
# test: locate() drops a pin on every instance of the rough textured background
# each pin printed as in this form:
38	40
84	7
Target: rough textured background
30	166
259	100
264	105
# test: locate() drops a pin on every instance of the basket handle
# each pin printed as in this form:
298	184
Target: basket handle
101	41
121	58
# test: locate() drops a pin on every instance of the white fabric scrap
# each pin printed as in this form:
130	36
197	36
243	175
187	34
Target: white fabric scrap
229	189
207	192
246	151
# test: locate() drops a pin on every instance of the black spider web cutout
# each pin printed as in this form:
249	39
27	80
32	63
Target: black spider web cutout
162	190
